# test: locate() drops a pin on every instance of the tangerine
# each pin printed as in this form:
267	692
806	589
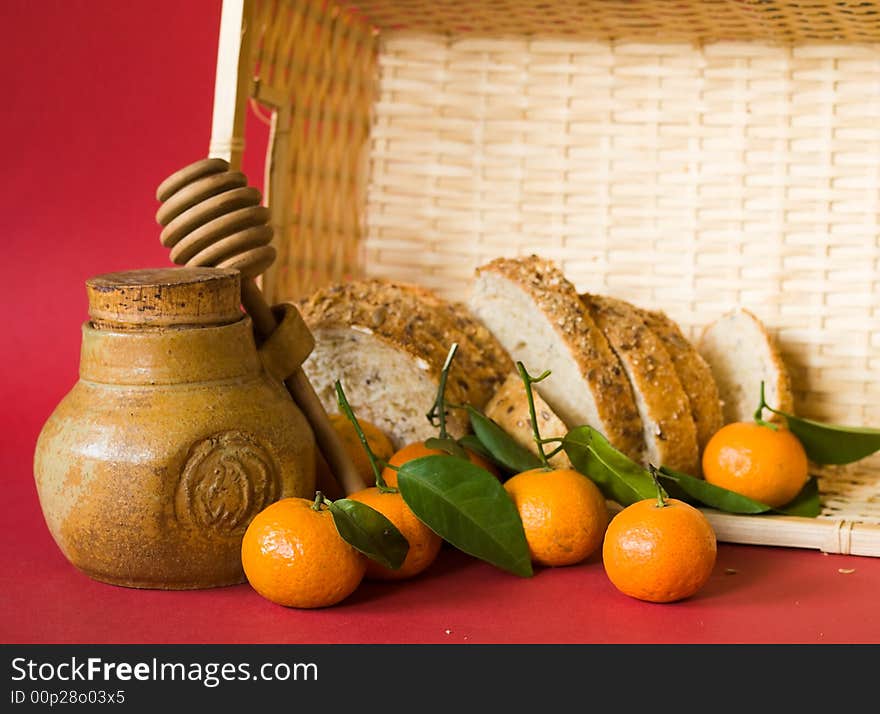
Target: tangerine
377	439
659	550
563	512
417	450
293	555
424	544
761	462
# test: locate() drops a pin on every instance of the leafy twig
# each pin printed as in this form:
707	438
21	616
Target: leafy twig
346	409
528	381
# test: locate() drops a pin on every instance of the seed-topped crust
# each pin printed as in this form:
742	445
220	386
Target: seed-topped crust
670	430
418	322
693	372
482	354
558	300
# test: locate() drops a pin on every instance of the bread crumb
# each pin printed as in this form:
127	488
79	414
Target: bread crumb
730	571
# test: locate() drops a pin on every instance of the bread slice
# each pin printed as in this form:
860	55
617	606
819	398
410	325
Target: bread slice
742	353
387	343
669	430
509	408
481	353
539	319
693	372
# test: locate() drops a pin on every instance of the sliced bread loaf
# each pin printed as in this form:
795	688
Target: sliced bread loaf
669	431
479	351
509	408
387	342
693	372
742	353
539	319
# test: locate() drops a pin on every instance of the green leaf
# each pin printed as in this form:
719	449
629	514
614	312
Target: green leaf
503	448
694	490
447	445
369	531
471	442
707	494
833	444
827	443
619	478
806	504
468	507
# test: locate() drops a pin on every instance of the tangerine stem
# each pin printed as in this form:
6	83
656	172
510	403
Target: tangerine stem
759	412
661	502
346	409
528	381
319	501
383	486
555	451
438	408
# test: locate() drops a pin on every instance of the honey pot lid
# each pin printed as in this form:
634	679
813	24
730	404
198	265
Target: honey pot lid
164	297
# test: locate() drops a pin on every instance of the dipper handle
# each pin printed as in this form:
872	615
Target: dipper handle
211	217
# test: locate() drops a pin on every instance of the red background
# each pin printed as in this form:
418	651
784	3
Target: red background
103	99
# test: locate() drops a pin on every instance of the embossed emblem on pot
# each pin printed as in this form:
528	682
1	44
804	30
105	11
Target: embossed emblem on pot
227	479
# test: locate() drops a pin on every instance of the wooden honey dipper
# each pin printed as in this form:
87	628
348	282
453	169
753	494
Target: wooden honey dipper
211	217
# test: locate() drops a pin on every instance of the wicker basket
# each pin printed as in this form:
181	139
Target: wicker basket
690	156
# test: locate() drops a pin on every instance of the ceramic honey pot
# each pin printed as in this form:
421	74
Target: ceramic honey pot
177	433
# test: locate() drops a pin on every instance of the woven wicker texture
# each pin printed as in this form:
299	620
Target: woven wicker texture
644	20
635	143
318	66
686	179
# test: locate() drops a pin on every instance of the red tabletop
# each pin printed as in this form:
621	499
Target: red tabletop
106	99
756	595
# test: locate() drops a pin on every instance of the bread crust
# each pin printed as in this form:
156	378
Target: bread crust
409	319
653	377
480	352
509	408
781	378
558	300
693	372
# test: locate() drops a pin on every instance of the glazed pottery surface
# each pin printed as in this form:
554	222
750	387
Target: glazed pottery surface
173	439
